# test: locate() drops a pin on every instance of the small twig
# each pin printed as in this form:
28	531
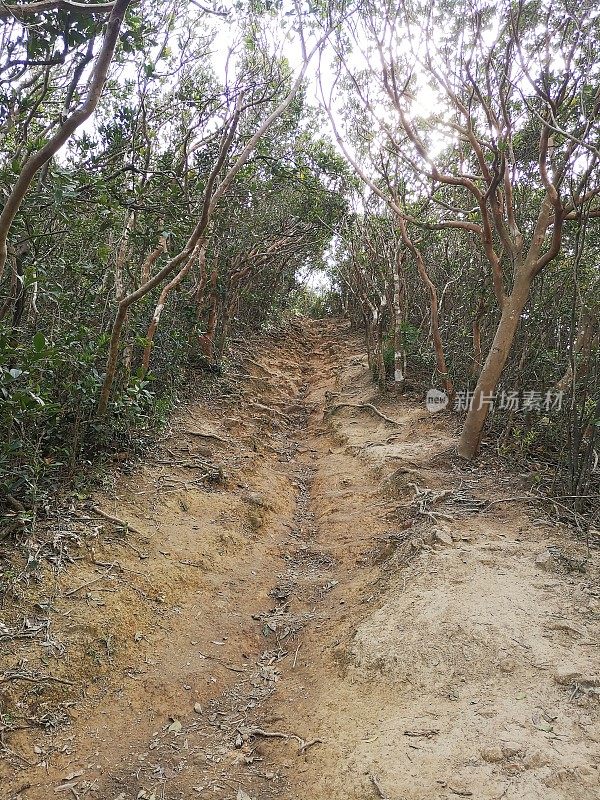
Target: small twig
20	791
296	656
18	676
91	583
305	745
427	733
203	435
269	734
223	663
116	521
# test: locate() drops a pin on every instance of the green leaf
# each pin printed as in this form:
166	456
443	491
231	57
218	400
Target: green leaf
39	342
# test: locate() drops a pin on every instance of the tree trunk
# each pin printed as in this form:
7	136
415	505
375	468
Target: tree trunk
161	304
436	336
581	345
113	356
476	368
472	432
64	132
399	349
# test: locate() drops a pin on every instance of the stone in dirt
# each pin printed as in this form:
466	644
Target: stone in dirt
545	561
255	499
566	674
443	537
511	749
492	753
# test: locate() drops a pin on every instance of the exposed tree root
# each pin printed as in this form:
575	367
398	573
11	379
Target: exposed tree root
369	407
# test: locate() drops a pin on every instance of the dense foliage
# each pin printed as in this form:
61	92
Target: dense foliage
166	180
120	201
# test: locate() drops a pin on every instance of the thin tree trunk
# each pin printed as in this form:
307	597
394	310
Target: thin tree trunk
436	336
115	334
211	327
581	345
477	354
40	157
163	299
472	432
399	348
212	197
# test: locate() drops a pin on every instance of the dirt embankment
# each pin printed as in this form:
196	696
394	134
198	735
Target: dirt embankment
314	600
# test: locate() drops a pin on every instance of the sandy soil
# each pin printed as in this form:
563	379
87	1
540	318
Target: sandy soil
314	602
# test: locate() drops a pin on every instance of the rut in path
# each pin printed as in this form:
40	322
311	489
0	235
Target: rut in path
318	603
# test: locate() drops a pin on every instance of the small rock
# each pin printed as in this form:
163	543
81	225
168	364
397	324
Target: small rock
256	518
507	665
443	537
417	544
492	754
545	561
535	759
511	749
255	499
566	674
198	708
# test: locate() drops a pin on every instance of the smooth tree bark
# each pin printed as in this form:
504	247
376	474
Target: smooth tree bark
399	305
213	194
402	218
200	254
183	257
481	101
40	157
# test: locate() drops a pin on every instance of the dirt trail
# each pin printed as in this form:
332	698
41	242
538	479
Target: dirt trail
318	602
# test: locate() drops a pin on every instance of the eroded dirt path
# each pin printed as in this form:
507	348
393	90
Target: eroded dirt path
316	603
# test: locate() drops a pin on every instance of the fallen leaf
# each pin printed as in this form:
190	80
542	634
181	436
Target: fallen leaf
175	727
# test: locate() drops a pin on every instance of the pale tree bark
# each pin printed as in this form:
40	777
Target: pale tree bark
212	196
402	218
512	309
434	318
587	331
399	302
183	257
199	253
40	157
476	328
495	362
479	96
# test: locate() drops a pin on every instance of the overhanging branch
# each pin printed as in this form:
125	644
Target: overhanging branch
22	11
